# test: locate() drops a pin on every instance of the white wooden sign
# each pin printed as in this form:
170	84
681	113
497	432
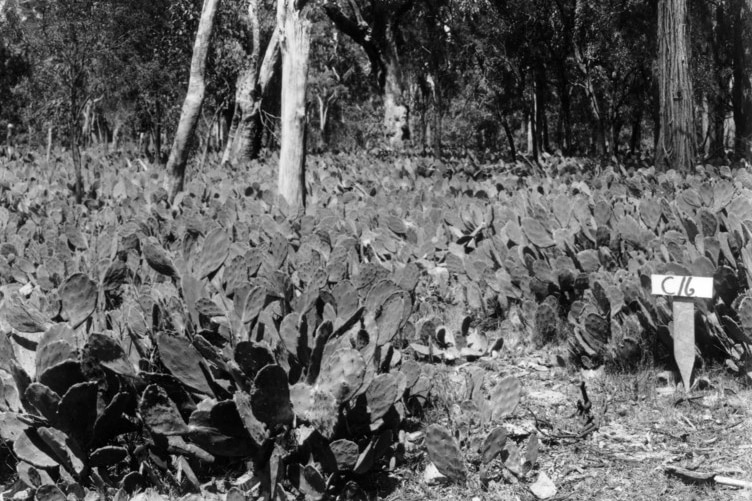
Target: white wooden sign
682	286
683	289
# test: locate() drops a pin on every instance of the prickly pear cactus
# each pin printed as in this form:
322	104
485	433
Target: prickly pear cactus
536	233
157	258
504	398
381	394
183	361
78	295
493	445
342	374
214	251
444	453
546	323
315	406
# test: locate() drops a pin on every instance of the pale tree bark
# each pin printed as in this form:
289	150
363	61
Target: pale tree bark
194	98
293	20
598	139
396	110
48	152
244	141
677	143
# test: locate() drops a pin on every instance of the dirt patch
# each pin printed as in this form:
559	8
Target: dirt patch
640	426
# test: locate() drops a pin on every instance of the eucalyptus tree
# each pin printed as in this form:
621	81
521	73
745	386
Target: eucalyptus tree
175	178
377	27
677	143
742	86
253	78
295	24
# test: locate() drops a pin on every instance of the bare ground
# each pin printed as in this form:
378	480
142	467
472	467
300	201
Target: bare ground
643	425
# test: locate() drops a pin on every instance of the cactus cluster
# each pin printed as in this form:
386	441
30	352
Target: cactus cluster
227	352
224	331
481	434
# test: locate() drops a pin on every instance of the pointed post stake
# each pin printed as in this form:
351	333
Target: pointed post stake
684	338
683	290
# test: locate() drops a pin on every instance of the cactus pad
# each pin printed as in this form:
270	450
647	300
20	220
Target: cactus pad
390	319
345	453
270	399
157	258
160	413
50	354
108	353
107	456
493	445
381	394
78	295
77	411
342	374
505	397
545	324
62	376
444	453
213	253
31	448
537	233
182	360
43	400
316	406
20	316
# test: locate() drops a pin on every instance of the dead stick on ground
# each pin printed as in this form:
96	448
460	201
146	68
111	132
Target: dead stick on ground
735	482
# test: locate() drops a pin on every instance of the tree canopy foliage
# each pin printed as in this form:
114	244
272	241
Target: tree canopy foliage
494	76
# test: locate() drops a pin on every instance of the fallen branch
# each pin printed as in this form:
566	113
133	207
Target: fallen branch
703	477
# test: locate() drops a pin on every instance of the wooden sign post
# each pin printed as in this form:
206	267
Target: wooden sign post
683	289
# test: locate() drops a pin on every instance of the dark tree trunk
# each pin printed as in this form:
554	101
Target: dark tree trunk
677	142
635	138
74	137
540	109
437	112
510	139
742	87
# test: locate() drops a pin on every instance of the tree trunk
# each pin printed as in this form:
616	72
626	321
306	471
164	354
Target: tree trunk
9	141
436	129
540	110
534	126
598	133
157	142
251	86
295	43
49	143
529	132
73	137
704	145
510	139
717	127
194	98
396	109
615	133
565	115
635	137
742	87
677	144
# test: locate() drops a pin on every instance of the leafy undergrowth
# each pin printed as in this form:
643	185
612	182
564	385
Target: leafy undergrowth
222	346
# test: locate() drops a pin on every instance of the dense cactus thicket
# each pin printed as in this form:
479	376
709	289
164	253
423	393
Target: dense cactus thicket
145	343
